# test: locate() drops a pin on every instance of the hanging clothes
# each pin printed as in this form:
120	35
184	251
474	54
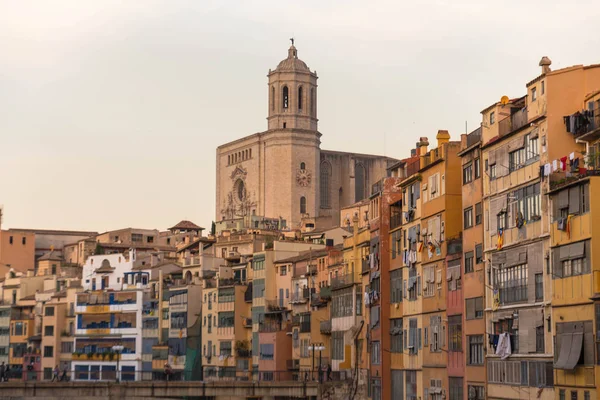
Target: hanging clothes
367	299
500	239
547	169
572	156
554	165
504	348
563	163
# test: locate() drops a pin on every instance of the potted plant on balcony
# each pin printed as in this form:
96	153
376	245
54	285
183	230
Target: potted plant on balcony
110	355
90	355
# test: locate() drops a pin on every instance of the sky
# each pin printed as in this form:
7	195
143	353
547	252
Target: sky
111	111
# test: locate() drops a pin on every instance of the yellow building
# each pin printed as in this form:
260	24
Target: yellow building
575	203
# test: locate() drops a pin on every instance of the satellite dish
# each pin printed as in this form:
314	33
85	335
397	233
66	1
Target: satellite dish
504	100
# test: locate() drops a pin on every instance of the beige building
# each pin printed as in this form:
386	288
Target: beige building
282	172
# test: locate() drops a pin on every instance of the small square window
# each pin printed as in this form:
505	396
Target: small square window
492	118
533	94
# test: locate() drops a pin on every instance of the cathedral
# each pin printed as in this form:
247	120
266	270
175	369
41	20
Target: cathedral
283	172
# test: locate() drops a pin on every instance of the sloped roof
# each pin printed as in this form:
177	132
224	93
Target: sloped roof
186	225
51	256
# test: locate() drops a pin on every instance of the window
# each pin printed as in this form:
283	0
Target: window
434	191
477	168
24	240
539	339
492	171
453	276
412	336
302	166
455	332
337	345
586	393
396	289
429	278
456	388
436	331
10	240
342	303
300	99
492	118
526	206
511	283
533	94
137	237
285	98
543	87
302	205
468	217
474	308
225	349
49	330
273	98
396	335
48	351
478	253
376	389
478	213
574	200
475	350
226	295
468	262
360	177
325	184
561	394
573	394
66	347
376	352
476	392
283	270
467	173
266	351
150	239
412	284
411	385
49	312
539	287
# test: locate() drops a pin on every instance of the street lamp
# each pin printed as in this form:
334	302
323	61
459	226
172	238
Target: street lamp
316	347
117	349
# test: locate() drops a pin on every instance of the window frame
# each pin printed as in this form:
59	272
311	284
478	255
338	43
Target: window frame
468	217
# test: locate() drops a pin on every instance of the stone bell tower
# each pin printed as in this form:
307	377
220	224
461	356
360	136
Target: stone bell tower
292	95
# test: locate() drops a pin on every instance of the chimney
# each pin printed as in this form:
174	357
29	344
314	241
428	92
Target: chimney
545	64
463	141
442	137
413	152
422	146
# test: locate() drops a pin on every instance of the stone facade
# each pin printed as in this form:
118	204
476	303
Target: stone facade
283	172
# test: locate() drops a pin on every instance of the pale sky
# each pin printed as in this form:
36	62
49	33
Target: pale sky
111	111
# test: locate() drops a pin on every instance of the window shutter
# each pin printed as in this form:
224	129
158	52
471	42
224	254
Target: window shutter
470	309
574	200
419	337
425	339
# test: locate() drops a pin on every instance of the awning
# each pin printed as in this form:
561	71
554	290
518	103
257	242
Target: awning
570	350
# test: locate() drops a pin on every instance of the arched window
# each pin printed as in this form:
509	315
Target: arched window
285	99
325	184
250	153
302	205
360	177
302	165
273	98
300	98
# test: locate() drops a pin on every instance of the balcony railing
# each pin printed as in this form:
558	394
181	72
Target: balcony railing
189	261
247	322
342	280
515	294
325	327
377	187
474	137
248	294
244	353
300	297
228	282
510	124
395	220
274	305
305	270
325	293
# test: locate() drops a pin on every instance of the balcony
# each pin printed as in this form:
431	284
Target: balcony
395	220
342	281
247	322
108	356
300	297
474	137
244	353
515	294
377	187
191	261
365	267
517	120
305	324
248	294
325	293
325	327
224	282
274	305
304	270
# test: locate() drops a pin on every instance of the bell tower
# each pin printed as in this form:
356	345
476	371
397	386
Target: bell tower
292	95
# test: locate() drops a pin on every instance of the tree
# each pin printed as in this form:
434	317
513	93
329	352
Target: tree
213	228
